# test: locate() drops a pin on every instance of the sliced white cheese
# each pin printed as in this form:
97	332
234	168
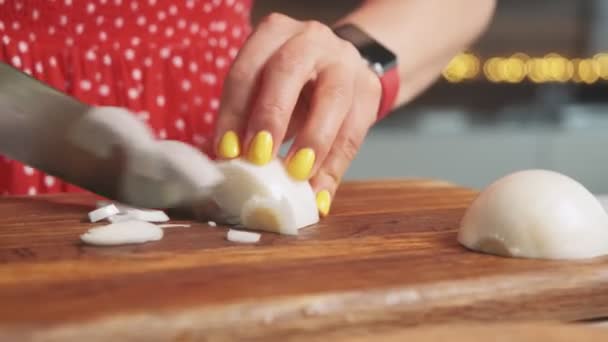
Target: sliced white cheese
126	232
242	237
103	213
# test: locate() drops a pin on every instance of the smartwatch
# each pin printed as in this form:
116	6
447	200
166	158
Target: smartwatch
381	60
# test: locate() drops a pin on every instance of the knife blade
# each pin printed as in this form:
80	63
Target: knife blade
105	151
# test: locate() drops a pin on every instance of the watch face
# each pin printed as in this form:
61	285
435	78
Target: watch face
374	52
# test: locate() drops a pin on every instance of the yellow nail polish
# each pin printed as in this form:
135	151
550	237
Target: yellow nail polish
260	151
229	145
300	164
323	202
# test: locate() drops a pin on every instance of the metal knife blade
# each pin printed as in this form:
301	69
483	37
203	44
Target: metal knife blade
38	125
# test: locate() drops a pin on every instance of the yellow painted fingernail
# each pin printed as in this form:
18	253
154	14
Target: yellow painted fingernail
260	151
229	145
323	202
301	163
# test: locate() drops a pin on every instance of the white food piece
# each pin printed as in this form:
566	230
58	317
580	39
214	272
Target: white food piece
174	225
265	197
127	232
212	223
147	215
536	214
242	237
103	213
119	218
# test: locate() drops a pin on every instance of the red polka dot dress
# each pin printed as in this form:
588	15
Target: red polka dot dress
164	60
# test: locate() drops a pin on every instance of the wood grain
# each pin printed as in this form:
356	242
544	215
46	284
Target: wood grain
387	257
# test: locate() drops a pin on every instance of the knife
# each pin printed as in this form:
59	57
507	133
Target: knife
105	150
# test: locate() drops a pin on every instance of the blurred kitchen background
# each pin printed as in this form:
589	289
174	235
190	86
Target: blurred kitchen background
531	93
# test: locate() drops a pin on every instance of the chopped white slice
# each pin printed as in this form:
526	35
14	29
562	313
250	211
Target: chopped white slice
103	213
120	218
212	223
127	232
242	237
148	215
174	225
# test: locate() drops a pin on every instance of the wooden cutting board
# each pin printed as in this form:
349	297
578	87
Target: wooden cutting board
386	257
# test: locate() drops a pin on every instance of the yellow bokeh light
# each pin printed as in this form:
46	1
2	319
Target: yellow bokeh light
588	70
602	60
514	70
490	69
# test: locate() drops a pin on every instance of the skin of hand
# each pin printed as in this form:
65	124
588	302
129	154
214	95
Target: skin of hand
297	80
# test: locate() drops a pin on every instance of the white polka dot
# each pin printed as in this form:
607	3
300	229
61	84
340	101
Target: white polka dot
129	54
177	61
208	56
218	26
117	2
208	117
35	14
194	27
68	2
161	15
186	41
180	124
90	55
217	2
135	41
181	24
236	32
104	90
209	78
103	2
238	7
229	2
63	20
136	74
28	170
18	6
28	71
32	191
186	85
162	134
214	104
99	20
134	5
165	52
16	61
207	7
1	25
189	4
16	25
132	93
233	52
79	28
107	60
90	7
97	76
199	139
116	45
119	22
103	36
6	40
38	67
160	101
49	181
69	41
85	85
32	37
212	41
52	61
141	20
173	10
220	62
152	2
148	62
22	46
198	101
169	31
193	67
152	28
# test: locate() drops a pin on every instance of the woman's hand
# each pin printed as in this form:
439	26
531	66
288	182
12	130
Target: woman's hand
295	79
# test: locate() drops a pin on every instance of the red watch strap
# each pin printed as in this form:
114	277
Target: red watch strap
390	89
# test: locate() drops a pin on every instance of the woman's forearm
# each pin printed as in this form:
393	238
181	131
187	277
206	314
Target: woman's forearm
425	34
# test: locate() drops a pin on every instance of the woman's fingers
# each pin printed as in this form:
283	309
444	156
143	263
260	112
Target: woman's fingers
349	139
331	101
240	84
282	81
